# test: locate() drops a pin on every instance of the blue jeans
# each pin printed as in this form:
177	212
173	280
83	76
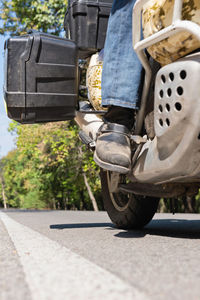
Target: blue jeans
122	71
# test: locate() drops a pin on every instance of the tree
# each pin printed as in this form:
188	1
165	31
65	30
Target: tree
47	164
51	168
19	16
2	186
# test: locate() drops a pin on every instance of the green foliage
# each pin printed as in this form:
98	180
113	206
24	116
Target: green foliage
46	169
19	16
184	204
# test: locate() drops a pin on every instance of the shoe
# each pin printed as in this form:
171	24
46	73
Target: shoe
113	151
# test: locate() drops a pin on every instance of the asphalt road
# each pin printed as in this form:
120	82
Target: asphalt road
80	255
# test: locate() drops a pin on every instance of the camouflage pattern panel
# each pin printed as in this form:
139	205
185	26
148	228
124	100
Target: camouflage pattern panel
157	14
93	81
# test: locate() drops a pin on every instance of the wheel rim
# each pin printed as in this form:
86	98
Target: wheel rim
119	200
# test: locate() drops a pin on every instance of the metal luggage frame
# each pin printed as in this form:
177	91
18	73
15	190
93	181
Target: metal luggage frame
139	45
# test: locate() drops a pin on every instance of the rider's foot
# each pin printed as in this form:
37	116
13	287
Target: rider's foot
113	150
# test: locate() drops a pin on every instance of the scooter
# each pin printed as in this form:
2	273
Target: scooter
166	138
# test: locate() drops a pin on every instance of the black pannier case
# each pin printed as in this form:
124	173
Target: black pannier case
86	23
41	78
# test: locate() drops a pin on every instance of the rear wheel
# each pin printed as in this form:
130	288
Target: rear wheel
126	210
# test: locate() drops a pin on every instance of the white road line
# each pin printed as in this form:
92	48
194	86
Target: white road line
53	272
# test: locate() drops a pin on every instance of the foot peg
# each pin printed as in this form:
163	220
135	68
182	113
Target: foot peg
88	141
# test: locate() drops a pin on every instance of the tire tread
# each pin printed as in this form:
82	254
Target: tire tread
139	212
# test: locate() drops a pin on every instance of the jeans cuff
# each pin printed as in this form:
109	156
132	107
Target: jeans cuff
117	102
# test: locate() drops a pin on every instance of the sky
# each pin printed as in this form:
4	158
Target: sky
6	139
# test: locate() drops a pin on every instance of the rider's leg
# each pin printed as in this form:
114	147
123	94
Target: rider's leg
120	90
121	68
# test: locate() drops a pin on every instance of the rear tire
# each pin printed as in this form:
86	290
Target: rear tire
127	211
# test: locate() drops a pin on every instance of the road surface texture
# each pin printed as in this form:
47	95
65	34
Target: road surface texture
57	255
